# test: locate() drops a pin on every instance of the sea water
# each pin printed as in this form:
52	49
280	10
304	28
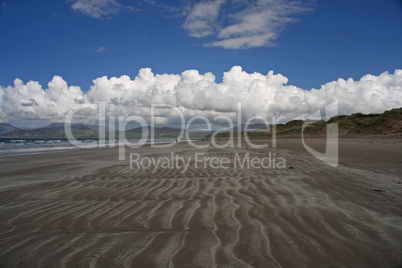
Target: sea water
13	147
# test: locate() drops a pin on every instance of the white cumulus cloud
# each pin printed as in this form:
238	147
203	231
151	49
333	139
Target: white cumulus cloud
241	24
31	102
201	21
200	95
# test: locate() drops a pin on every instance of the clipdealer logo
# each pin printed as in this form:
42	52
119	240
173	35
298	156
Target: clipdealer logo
233	141
330	157
201	161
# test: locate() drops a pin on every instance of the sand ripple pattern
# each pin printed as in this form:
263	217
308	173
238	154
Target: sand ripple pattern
310	215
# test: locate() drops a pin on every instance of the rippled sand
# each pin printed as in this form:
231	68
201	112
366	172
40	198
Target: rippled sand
87	209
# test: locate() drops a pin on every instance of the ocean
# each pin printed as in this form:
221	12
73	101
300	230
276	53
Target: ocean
14	147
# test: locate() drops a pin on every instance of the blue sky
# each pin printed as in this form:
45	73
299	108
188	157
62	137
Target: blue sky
205	57
327	40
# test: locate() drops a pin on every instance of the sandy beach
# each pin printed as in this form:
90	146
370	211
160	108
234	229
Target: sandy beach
88	209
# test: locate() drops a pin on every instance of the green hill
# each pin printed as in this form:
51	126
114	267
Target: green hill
389	122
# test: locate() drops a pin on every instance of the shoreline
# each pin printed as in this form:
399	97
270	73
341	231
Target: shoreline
342	138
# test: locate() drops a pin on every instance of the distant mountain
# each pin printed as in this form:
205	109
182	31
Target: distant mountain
61	126
51	131
48	133
82	131
164	132
241	127
28	128
389	122
5	127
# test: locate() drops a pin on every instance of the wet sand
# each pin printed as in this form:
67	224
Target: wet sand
87	209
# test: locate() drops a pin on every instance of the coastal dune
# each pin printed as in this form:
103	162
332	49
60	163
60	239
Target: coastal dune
87	209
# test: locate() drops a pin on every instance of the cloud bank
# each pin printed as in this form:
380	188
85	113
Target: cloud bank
199	95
